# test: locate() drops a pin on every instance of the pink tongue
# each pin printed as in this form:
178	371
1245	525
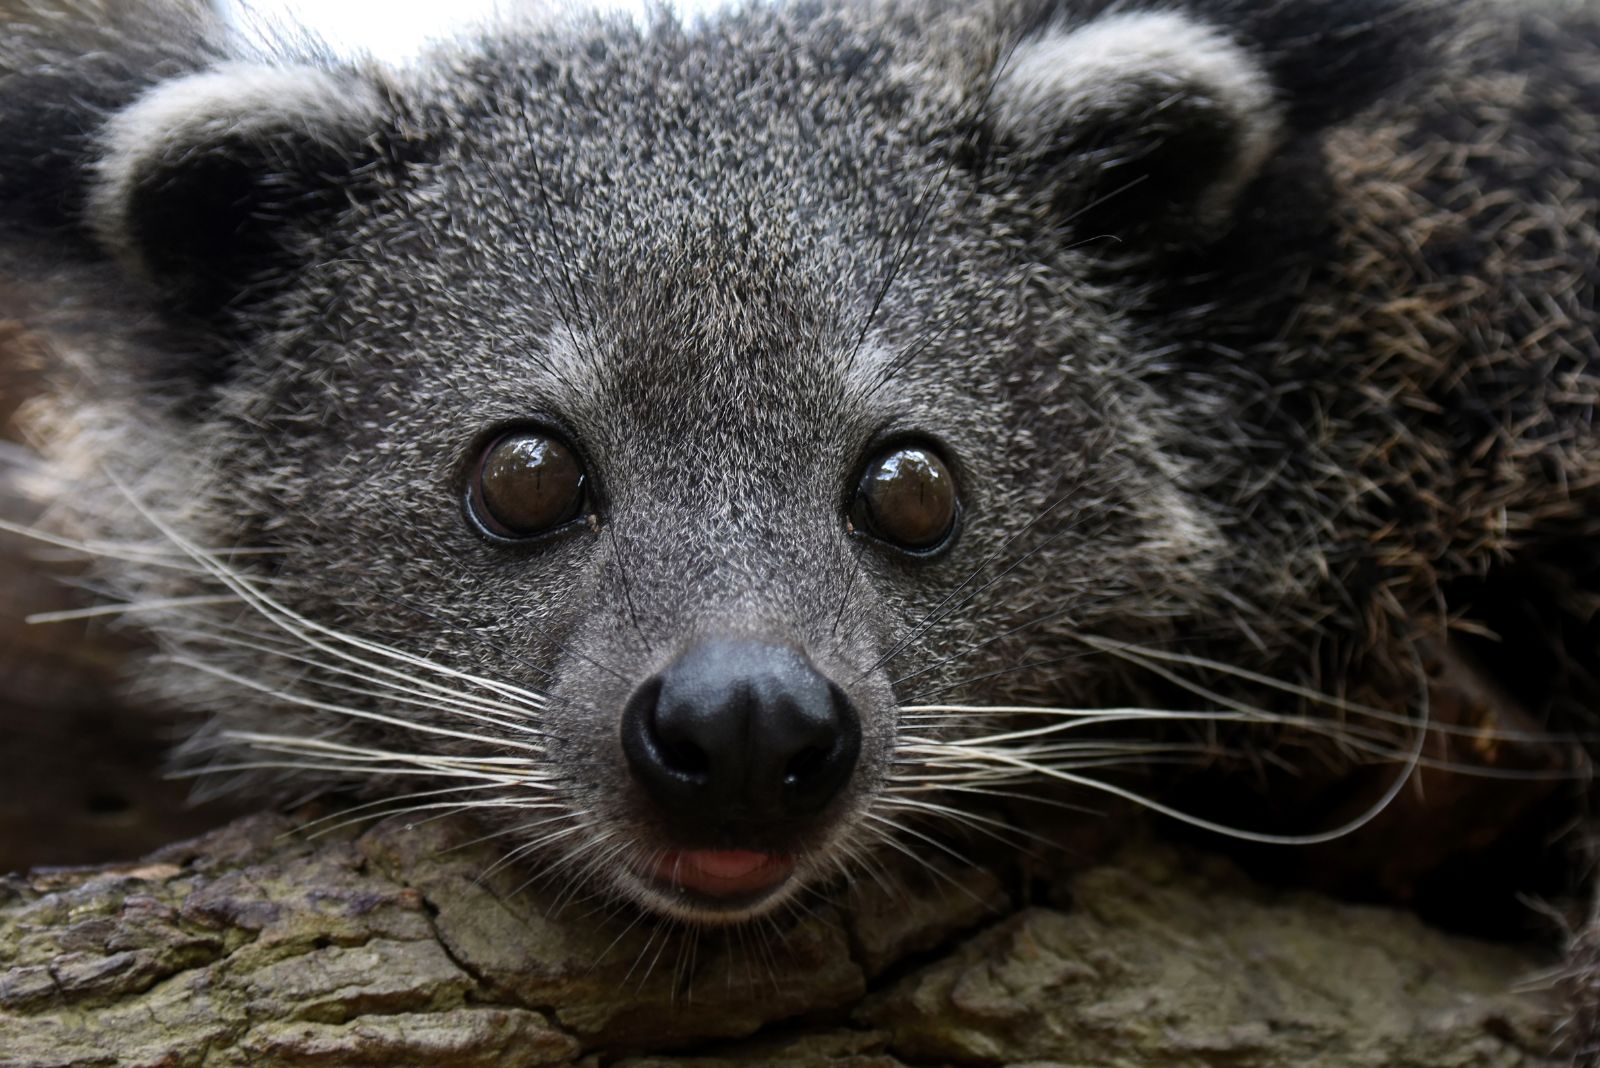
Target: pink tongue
727	863
723	872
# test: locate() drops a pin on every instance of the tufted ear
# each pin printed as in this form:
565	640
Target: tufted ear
204	184
1144	127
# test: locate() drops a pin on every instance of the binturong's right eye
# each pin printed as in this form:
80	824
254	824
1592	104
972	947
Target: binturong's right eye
906	498
526	483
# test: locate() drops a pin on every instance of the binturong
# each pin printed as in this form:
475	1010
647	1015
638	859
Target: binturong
714	454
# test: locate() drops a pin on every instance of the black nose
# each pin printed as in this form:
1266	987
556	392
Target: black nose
739	733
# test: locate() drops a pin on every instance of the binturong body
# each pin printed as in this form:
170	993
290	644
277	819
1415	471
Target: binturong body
709	451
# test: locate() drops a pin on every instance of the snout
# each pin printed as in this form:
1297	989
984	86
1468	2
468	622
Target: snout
741	745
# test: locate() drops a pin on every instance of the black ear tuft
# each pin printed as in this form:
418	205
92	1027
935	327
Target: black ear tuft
205	184
1144	127
65	65
1331	58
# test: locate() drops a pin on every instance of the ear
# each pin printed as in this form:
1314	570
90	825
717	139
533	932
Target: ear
205	185
1143	127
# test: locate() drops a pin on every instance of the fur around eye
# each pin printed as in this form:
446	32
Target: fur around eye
526	483
907	498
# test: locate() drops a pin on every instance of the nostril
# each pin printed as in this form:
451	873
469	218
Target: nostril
806	765
684	757
665	748
642	745
827	745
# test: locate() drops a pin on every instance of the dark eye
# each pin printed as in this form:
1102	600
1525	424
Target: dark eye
907	498
526	483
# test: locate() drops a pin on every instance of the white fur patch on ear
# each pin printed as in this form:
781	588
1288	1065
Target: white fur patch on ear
1109	66
183	118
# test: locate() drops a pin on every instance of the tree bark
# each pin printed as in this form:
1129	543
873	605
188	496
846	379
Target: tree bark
397	945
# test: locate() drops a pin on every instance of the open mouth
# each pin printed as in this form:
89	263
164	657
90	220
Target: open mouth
720	880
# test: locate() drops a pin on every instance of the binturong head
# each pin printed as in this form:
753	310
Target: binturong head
614	430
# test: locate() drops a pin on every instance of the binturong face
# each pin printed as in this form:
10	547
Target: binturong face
644	437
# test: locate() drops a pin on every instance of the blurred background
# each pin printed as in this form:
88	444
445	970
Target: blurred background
397	30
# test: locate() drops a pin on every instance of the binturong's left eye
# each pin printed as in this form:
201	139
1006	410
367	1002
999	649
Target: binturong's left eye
907	498
526	483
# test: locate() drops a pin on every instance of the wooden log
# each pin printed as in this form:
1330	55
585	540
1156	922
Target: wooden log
399	945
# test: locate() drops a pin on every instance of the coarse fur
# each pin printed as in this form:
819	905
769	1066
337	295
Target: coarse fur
1260	339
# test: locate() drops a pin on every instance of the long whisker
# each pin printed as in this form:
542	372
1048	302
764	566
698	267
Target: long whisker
349	813
514	772
254	641
986	825
466	705
303	628
441	810
290	697
884	837
1143	654
945	604
1044	771
1371	741
1008	795
152	554
562	814
130	608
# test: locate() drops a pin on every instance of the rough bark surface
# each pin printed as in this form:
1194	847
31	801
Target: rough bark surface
392	946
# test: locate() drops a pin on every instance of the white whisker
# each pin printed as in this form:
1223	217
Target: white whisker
151	554
1142	655
1010	795
514	772
441	809
302	628
950	851
344	710
129	608
562	813
1050	772
988	825
367	806
432	697
1369	740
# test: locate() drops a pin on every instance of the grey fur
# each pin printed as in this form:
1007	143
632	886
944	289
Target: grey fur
1237	367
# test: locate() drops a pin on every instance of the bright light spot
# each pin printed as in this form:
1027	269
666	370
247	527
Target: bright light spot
396	30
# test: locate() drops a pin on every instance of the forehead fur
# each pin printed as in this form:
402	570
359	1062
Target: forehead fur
666	236
735	167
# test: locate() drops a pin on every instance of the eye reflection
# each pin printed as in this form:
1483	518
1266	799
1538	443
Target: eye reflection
906	497
527	483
